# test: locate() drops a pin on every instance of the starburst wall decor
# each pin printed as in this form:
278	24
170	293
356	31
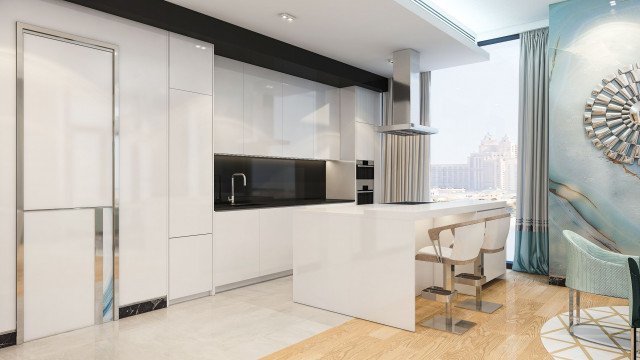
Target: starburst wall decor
612	115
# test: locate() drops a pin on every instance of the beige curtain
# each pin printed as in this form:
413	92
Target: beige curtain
406	158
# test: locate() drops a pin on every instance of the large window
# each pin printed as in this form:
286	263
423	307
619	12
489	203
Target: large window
475	108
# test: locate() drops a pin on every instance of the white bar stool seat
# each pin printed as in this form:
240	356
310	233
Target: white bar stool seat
495	237
465	249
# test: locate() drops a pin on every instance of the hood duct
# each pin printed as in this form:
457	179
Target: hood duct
405	119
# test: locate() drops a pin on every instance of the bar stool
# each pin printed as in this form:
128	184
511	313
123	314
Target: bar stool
495	237
468	238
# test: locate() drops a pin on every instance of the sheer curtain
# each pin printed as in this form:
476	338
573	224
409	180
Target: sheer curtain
532	241
406	158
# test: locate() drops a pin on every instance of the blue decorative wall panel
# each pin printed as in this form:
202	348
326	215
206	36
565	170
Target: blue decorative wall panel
589	192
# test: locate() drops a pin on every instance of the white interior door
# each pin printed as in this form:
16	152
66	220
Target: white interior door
67	184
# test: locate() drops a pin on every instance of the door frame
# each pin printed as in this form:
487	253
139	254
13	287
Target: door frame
21	30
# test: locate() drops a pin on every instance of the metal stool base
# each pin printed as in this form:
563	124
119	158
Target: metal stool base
456	326
484	306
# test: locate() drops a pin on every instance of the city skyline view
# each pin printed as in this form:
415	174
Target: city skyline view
486	92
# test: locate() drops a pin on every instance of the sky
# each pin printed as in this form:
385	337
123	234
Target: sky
469	101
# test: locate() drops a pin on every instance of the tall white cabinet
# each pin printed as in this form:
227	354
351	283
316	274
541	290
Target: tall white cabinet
360	115
190	167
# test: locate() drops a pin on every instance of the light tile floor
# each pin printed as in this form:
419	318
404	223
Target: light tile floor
245	323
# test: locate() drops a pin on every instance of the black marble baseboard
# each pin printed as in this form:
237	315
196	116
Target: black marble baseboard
143	307
557	281
8	339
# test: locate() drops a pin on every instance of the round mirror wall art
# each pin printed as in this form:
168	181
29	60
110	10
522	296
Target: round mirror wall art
612	115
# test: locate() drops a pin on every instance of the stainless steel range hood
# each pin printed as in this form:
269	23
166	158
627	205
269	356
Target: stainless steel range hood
405	92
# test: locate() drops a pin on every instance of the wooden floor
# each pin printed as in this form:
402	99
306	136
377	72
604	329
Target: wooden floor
512	332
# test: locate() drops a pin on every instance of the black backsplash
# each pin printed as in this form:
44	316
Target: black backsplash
269	179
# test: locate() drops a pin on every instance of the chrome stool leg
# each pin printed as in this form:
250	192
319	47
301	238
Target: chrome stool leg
476	280
447	295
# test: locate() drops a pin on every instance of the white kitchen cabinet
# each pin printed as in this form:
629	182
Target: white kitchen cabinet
298	107
262	111
237	246
190	266
190	163
366	140
368	107
276	241
228	109
190	64
327	123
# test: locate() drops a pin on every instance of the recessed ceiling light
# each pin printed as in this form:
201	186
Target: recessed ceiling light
612	2
201	47
287	17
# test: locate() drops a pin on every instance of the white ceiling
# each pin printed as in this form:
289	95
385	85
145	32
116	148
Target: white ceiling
362	33
494	18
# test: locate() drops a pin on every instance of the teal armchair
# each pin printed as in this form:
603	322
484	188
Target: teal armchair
594	270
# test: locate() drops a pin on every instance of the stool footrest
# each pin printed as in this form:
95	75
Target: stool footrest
470	279
439	294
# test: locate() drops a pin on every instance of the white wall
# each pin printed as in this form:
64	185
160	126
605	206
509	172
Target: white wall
144	132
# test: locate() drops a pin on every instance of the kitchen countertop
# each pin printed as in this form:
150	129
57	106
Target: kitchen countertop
415	212
276	203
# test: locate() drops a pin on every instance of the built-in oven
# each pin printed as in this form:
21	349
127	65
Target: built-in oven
365	171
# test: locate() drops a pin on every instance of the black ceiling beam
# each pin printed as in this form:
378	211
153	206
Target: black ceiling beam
239	43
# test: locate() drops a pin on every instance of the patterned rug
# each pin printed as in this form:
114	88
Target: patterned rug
603	333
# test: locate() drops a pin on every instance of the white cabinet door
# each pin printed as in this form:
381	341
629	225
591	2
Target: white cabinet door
298	106
368	107
366	137
190	266
228	109
262	111
327	123
58	271
190	64
276	240
190	163
67	125
237	246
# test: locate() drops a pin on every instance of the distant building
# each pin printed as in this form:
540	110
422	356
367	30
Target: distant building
493	167
450	176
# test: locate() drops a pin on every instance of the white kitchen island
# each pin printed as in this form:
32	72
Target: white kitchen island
359	260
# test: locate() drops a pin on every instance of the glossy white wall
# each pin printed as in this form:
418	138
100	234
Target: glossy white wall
143	158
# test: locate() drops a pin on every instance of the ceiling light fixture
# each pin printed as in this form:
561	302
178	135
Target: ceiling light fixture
612	2
201	47
390	61
287	17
